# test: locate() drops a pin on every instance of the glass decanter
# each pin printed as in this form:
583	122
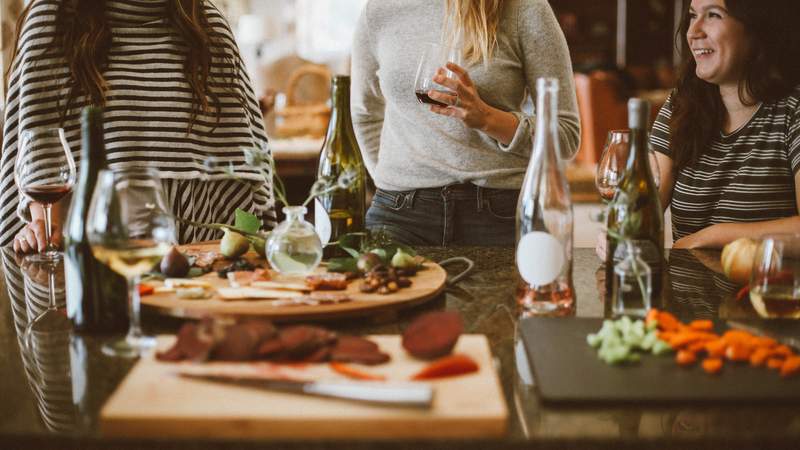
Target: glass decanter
632	287
293	247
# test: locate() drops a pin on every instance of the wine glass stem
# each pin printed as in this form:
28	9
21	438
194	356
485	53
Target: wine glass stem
51	287
134	306
47	230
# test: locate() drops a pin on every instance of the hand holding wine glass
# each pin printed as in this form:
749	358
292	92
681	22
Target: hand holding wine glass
45	172
129	230
434	56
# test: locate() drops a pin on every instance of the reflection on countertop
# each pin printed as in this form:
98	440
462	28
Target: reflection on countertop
68	378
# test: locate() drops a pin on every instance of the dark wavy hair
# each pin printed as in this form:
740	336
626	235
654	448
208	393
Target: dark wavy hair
771	72
83	36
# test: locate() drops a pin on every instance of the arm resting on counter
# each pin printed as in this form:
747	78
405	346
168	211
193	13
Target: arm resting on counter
718	235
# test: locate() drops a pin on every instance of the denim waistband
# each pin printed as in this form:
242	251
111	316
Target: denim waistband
460	191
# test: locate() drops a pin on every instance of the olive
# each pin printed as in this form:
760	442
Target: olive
174	264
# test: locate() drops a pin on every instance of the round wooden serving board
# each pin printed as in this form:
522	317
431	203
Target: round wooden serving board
426	284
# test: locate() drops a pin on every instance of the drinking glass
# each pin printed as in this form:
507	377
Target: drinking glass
612	163
50	318
129	230
775	280
44	171
435	56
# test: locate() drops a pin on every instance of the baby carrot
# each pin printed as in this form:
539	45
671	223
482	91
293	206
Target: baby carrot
712	365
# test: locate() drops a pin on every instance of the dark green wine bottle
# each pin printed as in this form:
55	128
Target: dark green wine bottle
636	212
341	211
96	296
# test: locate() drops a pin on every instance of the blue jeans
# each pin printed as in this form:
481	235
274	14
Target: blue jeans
458	214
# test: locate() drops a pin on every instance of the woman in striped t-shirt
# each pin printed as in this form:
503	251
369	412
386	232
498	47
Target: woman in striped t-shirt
728	139
175	94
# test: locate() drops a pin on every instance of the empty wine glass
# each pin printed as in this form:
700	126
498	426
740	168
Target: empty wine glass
433	57
44	171
775	279
129	230
612	163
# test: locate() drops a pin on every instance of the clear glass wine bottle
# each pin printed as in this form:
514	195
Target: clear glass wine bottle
545	218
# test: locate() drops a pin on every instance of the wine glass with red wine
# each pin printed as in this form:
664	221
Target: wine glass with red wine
44	172
435	56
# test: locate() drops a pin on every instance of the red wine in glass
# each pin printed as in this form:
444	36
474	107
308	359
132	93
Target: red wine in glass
423	97
48	193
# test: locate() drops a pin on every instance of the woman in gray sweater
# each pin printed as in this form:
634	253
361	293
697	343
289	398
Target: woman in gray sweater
450	175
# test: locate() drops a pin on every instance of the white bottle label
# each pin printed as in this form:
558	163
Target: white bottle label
322	222
540	258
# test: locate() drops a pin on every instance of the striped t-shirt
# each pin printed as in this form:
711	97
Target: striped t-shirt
147	113
745	176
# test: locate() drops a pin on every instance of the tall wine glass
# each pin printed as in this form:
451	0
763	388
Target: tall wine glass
612	163
44	171
129	230
434	56
775	280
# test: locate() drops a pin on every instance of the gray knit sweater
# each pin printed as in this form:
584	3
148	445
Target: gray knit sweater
405	145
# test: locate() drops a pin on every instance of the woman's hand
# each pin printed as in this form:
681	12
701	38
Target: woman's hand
31	239
467	106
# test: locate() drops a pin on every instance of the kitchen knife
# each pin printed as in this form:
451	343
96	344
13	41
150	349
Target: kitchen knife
397	394
791	341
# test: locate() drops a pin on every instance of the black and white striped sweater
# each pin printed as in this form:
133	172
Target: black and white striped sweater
149	106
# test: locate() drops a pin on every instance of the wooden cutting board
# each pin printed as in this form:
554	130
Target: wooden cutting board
153	402
567	369
426	285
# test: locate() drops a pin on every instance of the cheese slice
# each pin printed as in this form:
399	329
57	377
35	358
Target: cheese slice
255	293
185	282
279	285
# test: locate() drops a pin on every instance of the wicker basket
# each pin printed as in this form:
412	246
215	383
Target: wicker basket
299	118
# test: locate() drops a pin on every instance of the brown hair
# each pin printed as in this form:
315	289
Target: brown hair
475	21
83	35
698	113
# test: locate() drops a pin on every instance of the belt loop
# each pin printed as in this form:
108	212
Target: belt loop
479	196
408	199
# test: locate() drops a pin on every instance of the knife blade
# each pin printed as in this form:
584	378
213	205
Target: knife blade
790	341
416	395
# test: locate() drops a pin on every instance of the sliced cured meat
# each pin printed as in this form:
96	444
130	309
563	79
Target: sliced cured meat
433	335
327	281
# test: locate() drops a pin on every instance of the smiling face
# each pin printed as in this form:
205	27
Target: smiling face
718	42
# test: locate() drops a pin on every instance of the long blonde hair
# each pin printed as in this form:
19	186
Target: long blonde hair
474	23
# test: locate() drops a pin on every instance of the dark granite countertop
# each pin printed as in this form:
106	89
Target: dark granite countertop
51	392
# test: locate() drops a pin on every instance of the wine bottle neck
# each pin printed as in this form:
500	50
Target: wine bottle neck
340	105
93	152
639	153
546	133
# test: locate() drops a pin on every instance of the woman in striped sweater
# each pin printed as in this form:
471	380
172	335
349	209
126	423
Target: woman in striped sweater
728	139
176	98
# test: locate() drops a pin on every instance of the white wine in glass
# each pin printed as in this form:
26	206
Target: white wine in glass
130	230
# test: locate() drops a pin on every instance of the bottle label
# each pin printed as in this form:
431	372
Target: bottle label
322	222
540	258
